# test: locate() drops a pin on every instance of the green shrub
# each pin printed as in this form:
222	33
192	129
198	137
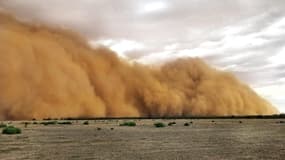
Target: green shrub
65	123
159	125
2	125
49	123
86	123
171	123
130	124
186	124
26	123
11	130
35	122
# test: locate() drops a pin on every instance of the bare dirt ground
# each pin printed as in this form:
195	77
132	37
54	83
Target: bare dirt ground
204	139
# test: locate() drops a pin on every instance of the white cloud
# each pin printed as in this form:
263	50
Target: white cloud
278	58
119	46
274	93
276	29
171	47
152	7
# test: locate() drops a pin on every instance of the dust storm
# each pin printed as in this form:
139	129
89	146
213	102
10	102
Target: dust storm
48	72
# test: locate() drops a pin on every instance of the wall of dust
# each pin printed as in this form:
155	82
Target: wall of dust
47	72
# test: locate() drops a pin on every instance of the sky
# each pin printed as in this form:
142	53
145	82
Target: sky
246	37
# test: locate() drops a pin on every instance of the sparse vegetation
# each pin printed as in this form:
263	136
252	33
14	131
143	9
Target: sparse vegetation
281	122
11	130
65	123
130	124
26	123
98	128
49	123
2	125
86	123
186	124
171	123
159	125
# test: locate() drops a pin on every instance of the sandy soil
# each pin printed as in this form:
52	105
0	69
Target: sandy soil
204	139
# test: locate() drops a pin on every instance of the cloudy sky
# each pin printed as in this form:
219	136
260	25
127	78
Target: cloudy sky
246	37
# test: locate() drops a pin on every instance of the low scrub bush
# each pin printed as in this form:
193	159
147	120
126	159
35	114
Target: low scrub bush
11	130
86	123
131	124
159	125
65	123
186	124
281	122
26	123
171	123
49	123
2	125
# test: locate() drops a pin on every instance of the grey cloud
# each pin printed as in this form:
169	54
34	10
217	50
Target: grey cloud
262	21
120	18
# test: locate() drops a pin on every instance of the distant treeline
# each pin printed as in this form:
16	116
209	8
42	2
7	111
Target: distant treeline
280	116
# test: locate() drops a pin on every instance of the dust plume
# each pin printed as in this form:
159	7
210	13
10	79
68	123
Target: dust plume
47	72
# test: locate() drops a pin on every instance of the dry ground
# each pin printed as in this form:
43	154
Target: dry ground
204	139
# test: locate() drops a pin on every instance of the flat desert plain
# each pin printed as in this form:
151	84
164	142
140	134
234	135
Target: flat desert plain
203	139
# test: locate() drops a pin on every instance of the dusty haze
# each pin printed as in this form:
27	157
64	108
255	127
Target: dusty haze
53	73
